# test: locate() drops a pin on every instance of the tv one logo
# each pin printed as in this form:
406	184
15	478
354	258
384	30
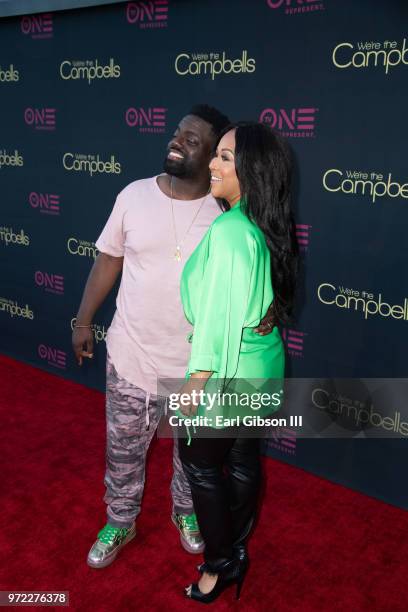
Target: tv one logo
291	7
38	26
294	122
303	235
47	203
283	440
153	14
41	118
294	341
52	283
147	119
53	356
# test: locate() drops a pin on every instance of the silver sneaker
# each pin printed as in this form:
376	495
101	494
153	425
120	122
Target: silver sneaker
190	536
110	541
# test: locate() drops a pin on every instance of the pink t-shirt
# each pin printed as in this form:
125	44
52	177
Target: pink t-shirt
147	337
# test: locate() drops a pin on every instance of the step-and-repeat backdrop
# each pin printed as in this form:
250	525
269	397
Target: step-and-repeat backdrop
89	99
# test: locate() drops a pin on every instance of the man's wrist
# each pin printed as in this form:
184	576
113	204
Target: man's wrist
83	324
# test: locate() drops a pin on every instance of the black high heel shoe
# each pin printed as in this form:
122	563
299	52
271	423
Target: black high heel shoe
233	572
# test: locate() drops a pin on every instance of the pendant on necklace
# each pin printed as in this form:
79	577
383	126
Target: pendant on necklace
177	254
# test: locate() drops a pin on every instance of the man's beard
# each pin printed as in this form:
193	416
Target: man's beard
179	169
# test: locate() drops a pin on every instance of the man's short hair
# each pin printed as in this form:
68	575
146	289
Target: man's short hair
211	115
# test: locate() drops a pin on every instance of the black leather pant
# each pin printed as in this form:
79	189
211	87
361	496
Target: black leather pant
224	475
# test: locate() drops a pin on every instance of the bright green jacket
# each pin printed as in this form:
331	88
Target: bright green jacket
226	289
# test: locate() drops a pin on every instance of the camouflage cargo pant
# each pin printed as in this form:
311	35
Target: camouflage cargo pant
132	416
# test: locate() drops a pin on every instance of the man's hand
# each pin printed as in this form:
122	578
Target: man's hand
101	280
82	343
267	324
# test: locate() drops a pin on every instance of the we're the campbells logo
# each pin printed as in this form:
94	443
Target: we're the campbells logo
355	414
364	302
10	159
361	183
9	74
384	55
89	70
213	64
91	164
9	236
12	308
83	248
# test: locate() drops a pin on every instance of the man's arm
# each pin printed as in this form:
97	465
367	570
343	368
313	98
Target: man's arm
101	280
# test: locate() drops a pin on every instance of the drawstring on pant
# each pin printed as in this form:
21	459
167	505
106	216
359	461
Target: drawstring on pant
147	411
189	436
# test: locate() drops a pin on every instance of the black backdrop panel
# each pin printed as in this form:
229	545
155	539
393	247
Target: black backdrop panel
89	99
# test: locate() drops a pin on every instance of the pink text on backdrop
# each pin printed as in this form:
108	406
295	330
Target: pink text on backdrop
52	356
48	203
53	283
38	26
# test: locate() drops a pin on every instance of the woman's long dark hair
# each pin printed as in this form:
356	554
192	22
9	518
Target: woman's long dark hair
264	169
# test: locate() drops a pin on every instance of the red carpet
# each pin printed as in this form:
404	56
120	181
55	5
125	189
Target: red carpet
317	546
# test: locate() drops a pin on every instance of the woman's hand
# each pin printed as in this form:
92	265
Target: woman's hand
267	324
189	397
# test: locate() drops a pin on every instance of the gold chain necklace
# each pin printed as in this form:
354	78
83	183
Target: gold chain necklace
177	252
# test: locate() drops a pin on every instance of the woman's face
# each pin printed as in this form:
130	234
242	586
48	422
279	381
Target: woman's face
224	180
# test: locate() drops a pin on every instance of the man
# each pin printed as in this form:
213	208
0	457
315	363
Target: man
155	225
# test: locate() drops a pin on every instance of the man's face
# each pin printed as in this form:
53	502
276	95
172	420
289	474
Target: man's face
191	148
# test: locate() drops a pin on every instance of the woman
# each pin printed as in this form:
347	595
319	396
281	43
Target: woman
246	261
